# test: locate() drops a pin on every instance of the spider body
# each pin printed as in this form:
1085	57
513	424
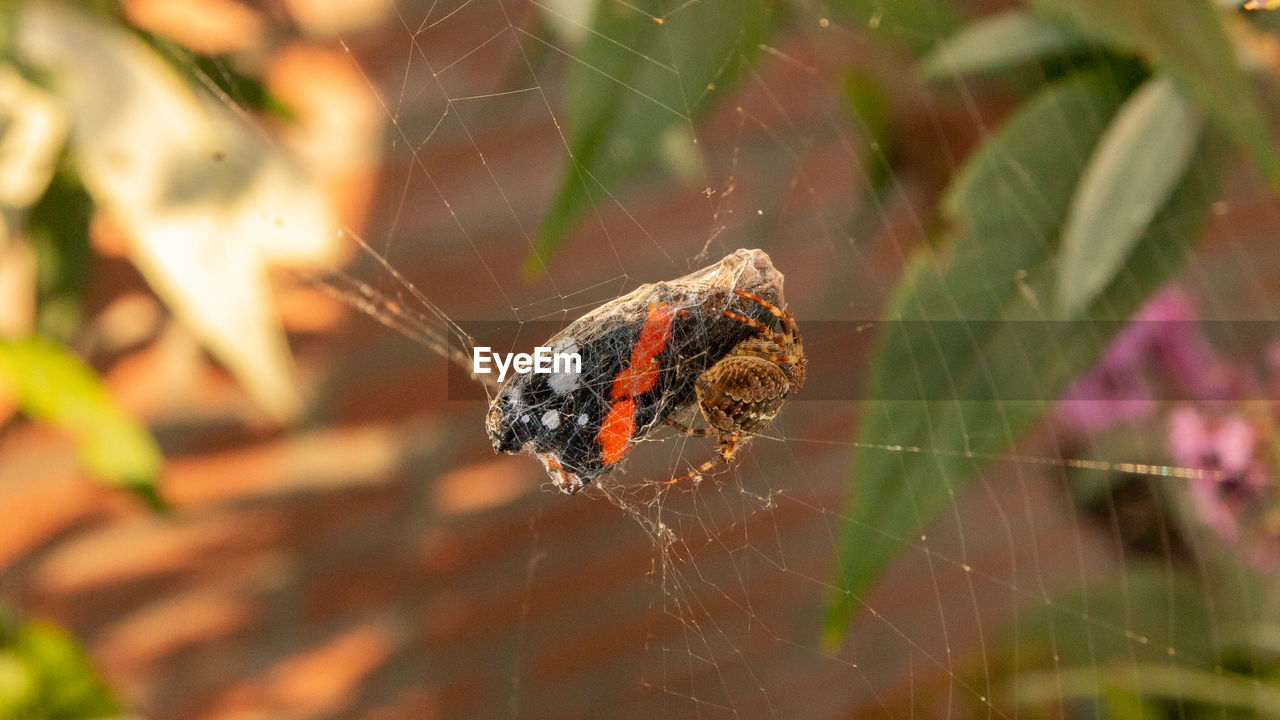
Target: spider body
714	339
742	393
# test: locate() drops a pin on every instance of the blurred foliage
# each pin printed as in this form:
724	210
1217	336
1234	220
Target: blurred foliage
997	43
917	26
1150	641
84	102
1011	257
58	229
203	199
45	676
1085	201
52	385
1186	39
870	109
634	77
1144	153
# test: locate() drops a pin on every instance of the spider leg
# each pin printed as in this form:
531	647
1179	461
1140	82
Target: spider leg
780	341
691	432
788	340
776	355
788	320
695	473
727	447
778	338
777	312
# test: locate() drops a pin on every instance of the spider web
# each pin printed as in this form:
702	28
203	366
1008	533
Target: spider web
705	599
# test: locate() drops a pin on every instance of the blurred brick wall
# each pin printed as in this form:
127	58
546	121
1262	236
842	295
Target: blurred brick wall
378	561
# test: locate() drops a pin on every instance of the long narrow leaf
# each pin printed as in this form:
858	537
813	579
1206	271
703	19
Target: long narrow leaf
1005	40
1185	685
1142	156
637	74
970	342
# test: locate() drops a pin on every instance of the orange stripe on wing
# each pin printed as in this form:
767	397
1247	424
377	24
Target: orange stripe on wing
642	375
615	432
653	335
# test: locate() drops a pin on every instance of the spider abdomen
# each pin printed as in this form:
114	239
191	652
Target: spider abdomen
741	393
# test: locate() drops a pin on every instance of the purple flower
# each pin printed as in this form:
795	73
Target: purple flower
1102	399
1161	353
1160	346
1226	448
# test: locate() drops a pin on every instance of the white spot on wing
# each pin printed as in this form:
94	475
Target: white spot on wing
563	382
551	419
582	418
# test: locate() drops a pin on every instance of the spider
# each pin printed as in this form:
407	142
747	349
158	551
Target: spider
741	394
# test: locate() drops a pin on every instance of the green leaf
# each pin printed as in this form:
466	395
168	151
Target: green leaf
1187	40
1141	157
1004	40
917	25
58	228
969	363
638	73
1082	625
45	675
52	385
1185	685
870	110
1121	704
